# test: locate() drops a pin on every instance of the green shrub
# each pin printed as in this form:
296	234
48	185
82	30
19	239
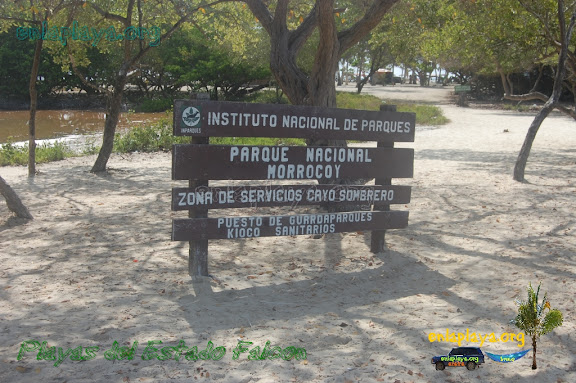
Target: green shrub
425	114
11	154
149	138
52	152
264	141
153	105
268	96
349	100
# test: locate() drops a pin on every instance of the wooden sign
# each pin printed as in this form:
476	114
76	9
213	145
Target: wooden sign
199	163
462	88
220	162
287	195
234	119
284	225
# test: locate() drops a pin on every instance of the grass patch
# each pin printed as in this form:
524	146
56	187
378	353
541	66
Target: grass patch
149	138
349	100
158	137
152	105
425	114
268	96
11	154
265	141
516	107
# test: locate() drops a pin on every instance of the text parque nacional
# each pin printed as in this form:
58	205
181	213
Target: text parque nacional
324	155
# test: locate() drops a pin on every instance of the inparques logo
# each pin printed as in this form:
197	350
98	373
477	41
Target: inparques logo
473	337
83	33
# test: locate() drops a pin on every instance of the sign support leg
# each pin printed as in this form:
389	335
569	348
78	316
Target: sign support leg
198	252
378	237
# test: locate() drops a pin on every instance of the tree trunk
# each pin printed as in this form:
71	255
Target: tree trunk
566	35
13	201
113	108
522	159
33	106
534	352
283	65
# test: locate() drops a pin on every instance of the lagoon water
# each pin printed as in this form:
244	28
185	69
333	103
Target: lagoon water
62	123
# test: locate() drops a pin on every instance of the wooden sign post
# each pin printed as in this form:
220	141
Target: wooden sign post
200	162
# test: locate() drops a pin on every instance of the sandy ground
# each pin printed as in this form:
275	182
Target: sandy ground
96	265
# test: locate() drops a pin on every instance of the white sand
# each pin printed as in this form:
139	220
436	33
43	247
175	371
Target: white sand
475	240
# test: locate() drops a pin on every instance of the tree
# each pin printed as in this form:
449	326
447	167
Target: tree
133	47
13	202
317	87
194	58
532	321
553	102
34	13
368	56
15	78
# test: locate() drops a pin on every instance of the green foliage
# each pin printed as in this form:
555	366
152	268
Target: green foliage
425	114
15	64
265	141
11	154
532	319
516	107
268	97
196	59
153	105
149	138
90	147
158	137
349	100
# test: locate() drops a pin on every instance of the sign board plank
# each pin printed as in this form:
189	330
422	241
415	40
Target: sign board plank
221	162
234	119
284	225
462	88
286	195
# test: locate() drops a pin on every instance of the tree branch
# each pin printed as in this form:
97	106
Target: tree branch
20	20
300	35
262	13
81	76
371	19
108	15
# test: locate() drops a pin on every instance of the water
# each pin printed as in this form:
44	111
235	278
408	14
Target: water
65	123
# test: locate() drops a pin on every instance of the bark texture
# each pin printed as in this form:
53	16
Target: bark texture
113	109
13	202
33	106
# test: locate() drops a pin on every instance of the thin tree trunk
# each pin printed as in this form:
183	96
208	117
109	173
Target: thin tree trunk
566	34
113	107
33	106
534	353
522	159
13	202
